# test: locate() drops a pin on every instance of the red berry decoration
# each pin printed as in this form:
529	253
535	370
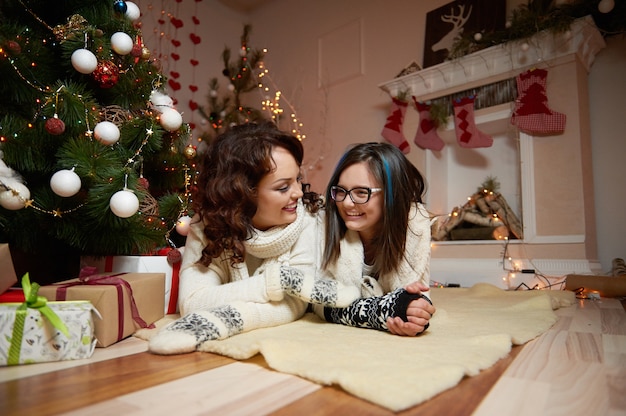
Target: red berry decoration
106	74
55	126
174	256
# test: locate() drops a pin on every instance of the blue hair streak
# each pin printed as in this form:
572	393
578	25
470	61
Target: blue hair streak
389	187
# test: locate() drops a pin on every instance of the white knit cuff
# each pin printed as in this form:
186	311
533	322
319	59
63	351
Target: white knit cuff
272	283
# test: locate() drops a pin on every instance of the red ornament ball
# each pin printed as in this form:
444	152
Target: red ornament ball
137	51
13	47
55	126
143	182
106	74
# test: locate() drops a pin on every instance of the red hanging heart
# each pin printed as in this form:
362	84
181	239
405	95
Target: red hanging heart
195	20
175	56
174	74
194	62
195	38
193	88
192	126
193	105
176	42
176	22
174	85
161	21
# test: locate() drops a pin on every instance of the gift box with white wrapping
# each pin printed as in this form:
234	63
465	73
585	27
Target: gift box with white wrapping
168	264
38	331
126	301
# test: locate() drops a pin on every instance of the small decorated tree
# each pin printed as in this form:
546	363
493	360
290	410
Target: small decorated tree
228	108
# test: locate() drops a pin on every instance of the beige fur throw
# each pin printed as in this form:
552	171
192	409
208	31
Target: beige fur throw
472	329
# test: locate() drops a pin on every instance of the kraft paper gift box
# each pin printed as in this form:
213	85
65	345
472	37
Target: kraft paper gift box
38	331
7	271
142	264
126	301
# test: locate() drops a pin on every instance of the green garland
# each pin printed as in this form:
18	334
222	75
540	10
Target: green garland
529	19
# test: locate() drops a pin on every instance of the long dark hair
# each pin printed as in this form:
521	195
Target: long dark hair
403	186
230	171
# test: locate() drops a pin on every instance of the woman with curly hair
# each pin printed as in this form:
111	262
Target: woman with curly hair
254	246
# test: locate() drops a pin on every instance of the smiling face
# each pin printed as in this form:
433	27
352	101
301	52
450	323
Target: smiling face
278	192
363	218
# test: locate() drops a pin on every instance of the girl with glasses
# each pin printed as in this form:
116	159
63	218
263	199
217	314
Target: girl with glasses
253	248
377	237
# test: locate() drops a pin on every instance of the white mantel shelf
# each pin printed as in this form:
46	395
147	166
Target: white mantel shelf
500	62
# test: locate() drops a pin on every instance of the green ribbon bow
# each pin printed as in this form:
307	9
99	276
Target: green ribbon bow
34	302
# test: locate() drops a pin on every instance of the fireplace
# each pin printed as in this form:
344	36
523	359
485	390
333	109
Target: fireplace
546	179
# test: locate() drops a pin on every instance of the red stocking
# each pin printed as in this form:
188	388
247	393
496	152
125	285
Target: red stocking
532	114
467	134
426	136
392	132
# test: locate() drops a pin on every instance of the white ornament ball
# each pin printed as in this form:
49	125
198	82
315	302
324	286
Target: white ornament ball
124	203
132	11
231	87
171	120
605	6
106	132
84	61
15	197
182	225
121	43
160	100
478	36
65	183
213	93
525	46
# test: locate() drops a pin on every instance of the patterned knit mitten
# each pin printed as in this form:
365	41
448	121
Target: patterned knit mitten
392	132
373	312
320	291
187	333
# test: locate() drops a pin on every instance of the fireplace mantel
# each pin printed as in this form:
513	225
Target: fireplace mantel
556	188
501	62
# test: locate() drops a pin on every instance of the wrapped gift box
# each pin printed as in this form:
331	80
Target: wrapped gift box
40	340
7	271
126	301
142	264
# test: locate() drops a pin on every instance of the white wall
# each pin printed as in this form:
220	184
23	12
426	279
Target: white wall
369	42
607	92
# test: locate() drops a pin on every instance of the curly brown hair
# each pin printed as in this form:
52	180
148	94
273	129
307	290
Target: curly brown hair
230	171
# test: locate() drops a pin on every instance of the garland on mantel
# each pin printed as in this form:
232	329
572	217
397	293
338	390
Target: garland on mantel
529	19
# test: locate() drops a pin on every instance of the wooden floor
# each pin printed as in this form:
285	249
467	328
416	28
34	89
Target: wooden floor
577	367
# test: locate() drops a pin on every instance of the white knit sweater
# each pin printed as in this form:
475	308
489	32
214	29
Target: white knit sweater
255	280
415	266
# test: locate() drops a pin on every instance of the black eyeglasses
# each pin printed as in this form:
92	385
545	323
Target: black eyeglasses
357	195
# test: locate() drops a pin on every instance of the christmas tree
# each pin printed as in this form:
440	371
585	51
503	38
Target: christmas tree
94	156
228	108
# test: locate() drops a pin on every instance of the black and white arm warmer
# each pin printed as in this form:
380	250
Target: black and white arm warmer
373	312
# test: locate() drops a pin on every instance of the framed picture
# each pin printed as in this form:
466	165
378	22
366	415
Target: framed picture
445	24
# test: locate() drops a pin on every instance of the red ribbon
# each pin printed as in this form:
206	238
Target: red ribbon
171	307
119	284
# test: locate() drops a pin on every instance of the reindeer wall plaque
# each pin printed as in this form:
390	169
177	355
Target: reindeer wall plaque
447	23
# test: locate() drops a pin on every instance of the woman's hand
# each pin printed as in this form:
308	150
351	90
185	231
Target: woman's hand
418	314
